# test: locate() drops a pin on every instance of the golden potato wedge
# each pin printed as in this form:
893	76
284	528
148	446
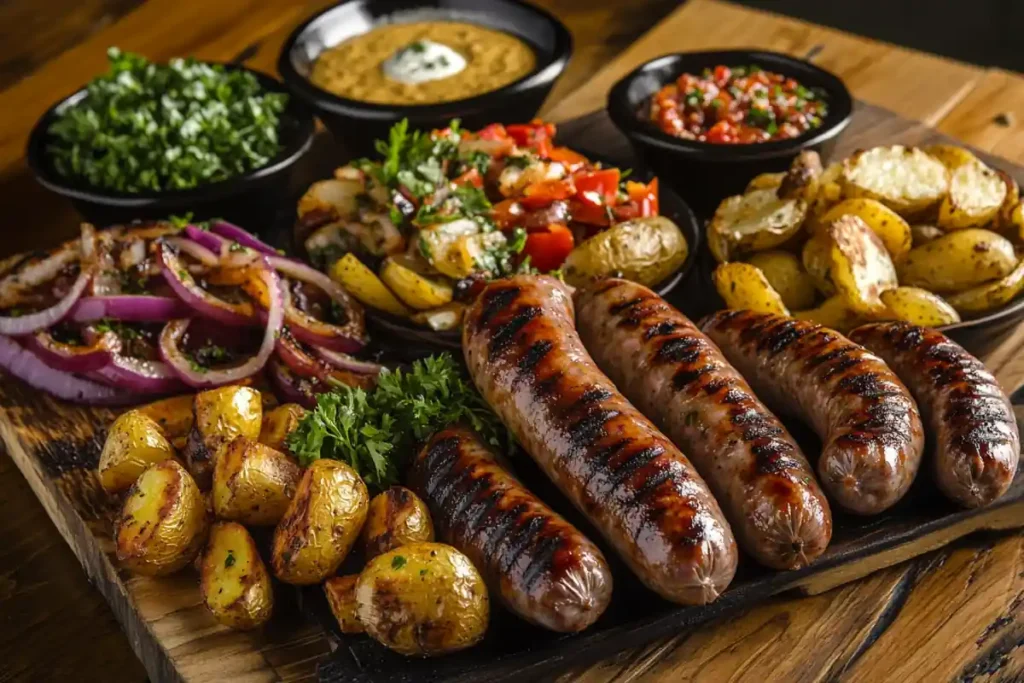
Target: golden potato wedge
220	415
958	260
883	221
233	580
742	285
990	295
801	180
829	190
976	194
321	524
816	256
905	179
253	483
416	291
861	268
364	285
765	181
423	599
447	317
337	198
396	517
834	313
754	221
951	156
174	415
278	424
922	233
918	306
787	276
163	522
134	442
341	596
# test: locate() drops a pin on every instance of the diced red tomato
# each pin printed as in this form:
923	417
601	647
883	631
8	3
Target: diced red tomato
722	132
573	161
645	196
722	75
536	135
507	213
470	177
543	193
494	131
600	187
549	248
590	214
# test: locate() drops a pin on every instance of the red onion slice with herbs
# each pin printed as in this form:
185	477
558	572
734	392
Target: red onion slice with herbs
290	387
128	308
343	361
302	364
243	237
29	368
347	338
73	357
202	302
193	249
140	376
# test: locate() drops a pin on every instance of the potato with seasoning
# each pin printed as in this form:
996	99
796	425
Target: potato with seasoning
802	178
341	597
1005	220
890	227
754	221
742	285
364	285
321	524
220	415
918	306
253	483
174	415
133	443
816	257
163	522
396	517
861	267
829	190
906	179
787	276
958	261
645	250
278	424
834	313
423	599
990	295
922	233
417	291
233	580
976	193
765	181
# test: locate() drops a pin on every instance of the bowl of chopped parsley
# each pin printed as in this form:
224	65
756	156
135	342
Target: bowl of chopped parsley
147	140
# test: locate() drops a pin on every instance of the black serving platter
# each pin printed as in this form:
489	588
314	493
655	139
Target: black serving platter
247	199
357	124
704	173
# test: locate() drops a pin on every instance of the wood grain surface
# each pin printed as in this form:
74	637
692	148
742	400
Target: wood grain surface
954	616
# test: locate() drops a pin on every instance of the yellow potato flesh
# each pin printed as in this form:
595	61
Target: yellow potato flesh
364	285
861	267
743	286
233	579
133	443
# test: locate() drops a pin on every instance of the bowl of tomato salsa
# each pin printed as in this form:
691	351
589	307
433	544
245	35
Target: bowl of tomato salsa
707	122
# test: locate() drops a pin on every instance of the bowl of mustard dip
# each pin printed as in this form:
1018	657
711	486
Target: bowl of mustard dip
363	65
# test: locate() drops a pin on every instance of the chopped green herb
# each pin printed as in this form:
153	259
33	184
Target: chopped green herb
229	561
397	562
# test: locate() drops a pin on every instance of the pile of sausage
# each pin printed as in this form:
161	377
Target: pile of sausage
654	428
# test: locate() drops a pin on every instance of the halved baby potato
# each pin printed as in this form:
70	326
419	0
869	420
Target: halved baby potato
816	257
787	276
279	423
906	179
233	580
220	415
958	260
341	597
834	313
173	415
829	189
253	483
1005	218
989	295
364	285
765	181
801	180
976	193
861	268
134	442
743	286
918	306
890	227
396	517
754	221
951	156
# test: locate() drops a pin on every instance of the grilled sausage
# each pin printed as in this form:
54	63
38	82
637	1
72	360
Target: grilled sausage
543	568
678	378
635	486
869	425
975	440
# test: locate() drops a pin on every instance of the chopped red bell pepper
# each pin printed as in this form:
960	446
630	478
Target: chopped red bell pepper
494	131
600	187
591	214
573	161
645	196
536	135
544	192
549	248
470	177
507	213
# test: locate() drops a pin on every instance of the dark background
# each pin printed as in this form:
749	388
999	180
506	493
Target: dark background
984	32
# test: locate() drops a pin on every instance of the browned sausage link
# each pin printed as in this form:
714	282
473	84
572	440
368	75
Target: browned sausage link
869	425
543	568
975	440
636	487
678	378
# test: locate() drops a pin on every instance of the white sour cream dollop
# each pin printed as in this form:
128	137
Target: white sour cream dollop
423	61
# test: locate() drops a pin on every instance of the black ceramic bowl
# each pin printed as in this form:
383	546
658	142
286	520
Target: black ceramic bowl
705	173
357	124
248	200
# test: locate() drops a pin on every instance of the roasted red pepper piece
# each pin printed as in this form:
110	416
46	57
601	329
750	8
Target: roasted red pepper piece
549	248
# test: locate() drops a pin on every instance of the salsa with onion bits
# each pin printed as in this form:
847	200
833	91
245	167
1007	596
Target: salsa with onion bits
737	105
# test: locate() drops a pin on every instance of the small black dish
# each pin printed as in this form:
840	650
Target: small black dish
358	124
705	173
249	200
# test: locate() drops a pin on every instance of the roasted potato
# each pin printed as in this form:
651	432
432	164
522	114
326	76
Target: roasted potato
829	190
174	415
1005	220
253	483
883	221
233	580
816	256
922	233
134	442
754	221
765	181
958	260
321	524
918	306
787	276
457	248
423	599
861	268
905	179
976	193
341	596
278	424
951	156
742	285
220	415
396	517
163	522
834	313
989	295
364	285
416	291
801	181
336	198
447	317
645	250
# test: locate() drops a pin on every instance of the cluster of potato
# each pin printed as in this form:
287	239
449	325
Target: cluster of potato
198	472
925	235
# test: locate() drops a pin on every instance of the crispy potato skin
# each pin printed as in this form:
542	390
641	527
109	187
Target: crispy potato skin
833	313
220	415
918	306
341	596
645	250
890	227
990	295
958	261
786	274
423	599
861	268
253	483
801	181
321	524
816	257
754	221
742	285
133	443
163	522
174	415
279	423
233	580
765	181
395	518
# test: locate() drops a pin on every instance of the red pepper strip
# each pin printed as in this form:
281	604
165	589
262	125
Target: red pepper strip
549	248
536	135
573	161
507	213
494	131
645	196
600	188
545	192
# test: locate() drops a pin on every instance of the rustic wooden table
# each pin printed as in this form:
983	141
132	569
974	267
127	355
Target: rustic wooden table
957	614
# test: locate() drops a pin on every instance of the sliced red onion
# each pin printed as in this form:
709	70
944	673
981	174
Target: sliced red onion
33	322
302	364
39	272
140	376
29	368
289	387
205	238
128	308
197	298
72	357
243	237
343	361
347	338
170	340
193	249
